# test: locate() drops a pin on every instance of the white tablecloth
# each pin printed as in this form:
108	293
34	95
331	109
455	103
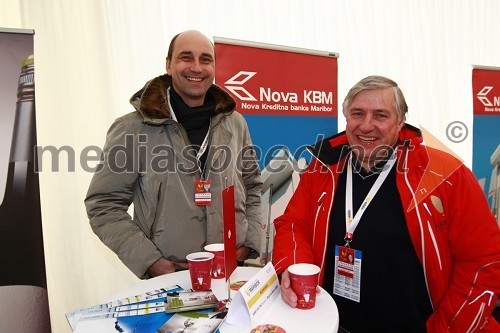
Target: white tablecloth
323	318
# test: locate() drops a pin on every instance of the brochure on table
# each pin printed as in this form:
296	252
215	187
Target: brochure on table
163	310
254	298
137	305
149	311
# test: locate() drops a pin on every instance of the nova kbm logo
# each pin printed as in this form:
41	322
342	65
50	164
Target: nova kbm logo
245	76
488	105
274	99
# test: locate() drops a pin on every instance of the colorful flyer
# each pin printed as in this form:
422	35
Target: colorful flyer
147	303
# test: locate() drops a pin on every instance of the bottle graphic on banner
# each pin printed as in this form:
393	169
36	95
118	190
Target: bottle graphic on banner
21	243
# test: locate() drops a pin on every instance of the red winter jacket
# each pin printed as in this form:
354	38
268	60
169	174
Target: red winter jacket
452	229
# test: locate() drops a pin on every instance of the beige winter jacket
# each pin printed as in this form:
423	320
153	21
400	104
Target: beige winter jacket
144	163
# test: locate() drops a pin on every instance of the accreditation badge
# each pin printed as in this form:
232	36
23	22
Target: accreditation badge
202	194
347	273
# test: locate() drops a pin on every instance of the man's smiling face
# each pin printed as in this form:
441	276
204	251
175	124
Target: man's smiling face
372	124
192	67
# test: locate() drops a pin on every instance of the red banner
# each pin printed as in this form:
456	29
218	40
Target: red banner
287	95
228	217
486	141
486	91
267	80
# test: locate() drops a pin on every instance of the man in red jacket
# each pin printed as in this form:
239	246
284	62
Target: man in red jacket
426	245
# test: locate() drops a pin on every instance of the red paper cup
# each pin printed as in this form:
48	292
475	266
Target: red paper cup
218	268
200	267
304	280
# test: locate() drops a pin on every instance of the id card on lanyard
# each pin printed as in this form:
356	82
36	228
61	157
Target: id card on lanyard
202	194
202	191
347	268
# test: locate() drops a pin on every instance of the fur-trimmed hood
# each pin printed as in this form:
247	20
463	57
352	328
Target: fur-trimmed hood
151	100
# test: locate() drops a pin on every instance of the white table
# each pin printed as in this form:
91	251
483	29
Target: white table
324	317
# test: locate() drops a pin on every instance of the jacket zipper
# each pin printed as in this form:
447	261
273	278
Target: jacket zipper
320	205
417	210
434	243
158	196
318	209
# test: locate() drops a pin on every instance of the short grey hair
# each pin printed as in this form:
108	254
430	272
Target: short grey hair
377	82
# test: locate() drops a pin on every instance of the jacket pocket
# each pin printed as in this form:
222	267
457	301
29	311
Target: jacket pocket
159	207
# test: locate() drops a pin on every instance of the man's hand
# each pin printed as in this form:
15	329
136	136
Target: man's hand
287	294
164	266
242	253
